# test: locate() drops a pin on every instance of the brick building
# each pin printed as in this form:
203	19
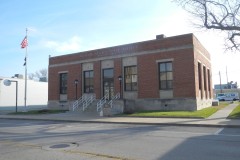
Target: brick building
167	73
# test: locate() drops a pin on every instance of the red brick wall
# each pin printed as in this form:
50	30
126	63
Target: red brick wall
53	82
117	72
185	73
134	47
148	86
74	72
97	78
183	70
202	55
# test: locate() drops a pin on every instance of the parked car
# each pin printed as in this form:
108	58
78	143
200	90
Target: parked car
227	96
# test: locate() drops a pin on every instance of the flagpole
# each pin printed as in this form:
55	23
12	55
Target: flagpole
25	95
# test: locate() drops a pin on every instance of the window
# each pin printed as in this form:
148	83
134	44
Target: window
88	82
209	83
199	76
108	74
130	78
165	76
204	79
63	83
200	79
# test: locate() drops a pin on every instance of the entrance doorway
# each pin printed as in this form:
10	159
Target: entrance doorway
108	83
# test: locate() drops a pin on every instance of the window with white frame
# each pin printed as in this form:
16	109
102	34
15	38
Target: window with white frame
165	76
130	78
88	82
63	83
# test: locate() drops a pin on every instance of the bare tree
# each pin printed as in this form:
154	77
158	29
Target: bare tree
37	74
43	72
221	15
31	76
42	75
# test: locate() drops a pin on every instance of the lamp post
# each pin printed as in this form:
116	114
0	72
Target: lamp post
16	93
120	83
8	83
76	83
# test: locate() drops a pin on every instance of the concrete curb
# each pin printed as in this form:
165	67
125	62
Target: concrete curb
131	123
217	120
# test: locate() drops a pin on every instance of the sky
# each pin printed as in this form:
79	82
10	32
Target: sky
59	27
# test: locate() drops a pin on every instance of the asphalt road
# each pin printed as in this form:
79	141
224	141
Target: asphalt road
46	140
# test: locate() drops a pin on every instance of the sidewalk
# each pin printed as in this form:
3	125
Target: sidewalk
216	120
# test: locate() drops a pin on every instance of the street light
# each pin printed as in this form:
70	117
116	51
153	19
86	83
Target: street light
76	83
8	83
120	83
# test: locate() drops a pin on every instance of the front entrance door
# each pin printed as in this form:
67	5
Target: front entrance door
108	83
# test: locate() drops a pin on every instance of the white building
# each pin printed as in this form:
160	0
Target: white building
37	93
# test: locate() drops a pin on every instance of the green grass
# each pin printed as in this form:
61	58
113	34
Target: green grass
203	113
235	114
43	111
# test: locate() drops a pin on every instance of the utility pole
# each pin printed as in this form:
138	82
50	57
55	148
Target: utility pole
227	76
220	82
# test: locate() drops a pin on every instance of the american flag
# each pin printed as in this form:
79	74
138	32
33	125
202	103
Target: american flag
24	42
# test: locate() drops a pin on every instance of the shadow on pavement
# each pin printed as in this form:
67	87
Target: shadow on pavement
209	147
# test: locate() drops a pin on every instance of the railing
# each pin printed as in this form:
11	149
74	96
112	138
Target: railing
117	96
101	102
88	101
78	102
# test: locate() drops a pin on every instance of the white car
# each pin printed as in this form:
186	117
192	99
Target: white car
228	96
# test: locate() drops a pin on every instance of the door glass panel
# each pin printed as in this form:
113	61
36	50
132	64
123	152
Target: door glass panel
111	89
108	82
106	88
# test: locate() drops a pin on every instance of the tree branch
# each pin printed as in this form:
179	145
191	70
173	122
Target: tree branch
217	14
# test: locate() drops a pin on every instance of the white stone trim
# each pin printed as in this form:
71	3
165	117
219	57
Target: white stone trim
165	60
87	66
107	64
62	72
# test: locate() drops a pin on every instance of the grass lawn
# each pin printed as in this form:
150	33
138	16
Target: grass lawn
43	111
203	113
235	114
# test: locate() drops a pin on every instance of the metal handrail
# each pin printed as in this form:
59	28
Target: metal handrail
102	101
117	96
78	102
88	101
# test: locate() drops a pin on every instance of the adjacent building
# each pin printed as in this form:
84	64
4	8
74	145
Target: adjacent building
166	73
37	93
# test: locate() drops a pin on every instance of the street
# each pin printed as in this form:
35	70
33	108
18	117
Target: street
49	140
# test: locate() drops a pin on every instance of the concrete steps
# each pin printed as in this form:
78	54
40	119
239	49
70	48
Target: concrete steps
117	108
90	110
